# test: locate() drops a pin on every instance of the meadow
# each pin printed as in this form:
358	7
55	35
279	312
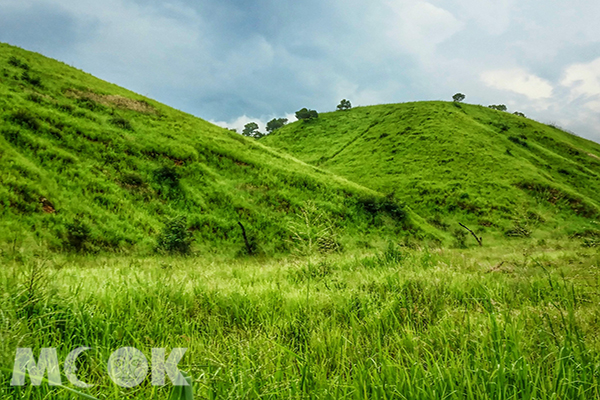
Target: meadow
124	222
516	321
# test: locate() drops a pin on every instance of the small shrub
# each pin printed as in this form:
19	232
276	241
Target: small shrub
374	205
519	229
35	98
167	175
175	237
65	108
121	122
89	104
460	238
78	235
32	80
132	179
25	118
15	62
518	140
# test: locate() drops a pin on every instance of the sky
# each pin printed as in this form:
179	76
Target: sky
235	61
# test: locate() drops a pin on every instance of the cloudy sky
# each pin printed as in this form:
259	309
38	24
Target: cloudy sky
233	61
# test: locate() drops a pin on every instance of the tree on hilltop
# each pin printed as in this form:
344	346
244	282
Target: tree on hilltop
275	124
499	107
458	97
306	114
251	130
344	105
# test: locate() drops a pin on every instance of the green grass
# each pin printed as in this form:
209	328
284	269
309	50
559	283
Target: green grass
397	323
459	163
88	166
349	293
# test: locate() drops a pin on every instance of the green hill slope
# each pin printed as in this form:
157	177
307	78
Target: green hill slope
458	162
87	165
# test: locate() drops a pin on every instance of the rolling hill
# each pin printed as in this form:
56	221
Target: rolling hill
450	162
87	165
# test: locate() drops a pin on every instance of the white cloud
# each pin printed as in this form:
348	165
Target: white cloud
492	16
583	79
419	26
518	81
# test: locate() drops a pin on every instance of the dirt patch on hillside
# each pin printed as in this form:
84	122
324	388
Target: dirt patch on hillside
113	100
593	155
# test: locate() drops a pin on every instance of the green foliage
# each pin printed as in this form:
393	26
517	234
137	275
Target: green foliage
458	98
499	107
135	180
121	122
275	124
15	62
380	204
125	163
460	238
313	231
251	130
455	164
32	80
175	238
306	115
519	114
344	105
505	323
25	118
79	236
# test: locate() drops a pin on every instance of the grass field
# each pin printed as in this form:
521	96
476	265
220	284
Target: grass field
126	223
513	322
501	173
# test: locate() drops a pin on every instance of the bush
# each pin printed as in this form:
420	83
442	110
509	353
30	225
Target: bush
499	107
306	114
175	237
78	235
33	80
25	118
132	179
460	238
15	62
167	175
121	122
374	205
518	140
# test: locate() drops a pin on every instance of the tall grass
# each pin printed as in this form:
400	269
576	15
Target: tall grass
400	323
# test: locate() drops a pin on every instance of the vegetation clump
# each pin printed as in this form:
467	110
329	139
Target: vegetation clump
344	105
305	114
276	123
175	238
459	98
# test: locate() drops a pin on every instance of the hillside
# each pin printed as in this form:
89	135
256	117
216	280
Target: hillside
87	165
450	162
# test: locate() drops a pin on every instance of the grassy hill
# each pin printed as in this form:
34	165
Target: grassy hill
505	174
87	165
